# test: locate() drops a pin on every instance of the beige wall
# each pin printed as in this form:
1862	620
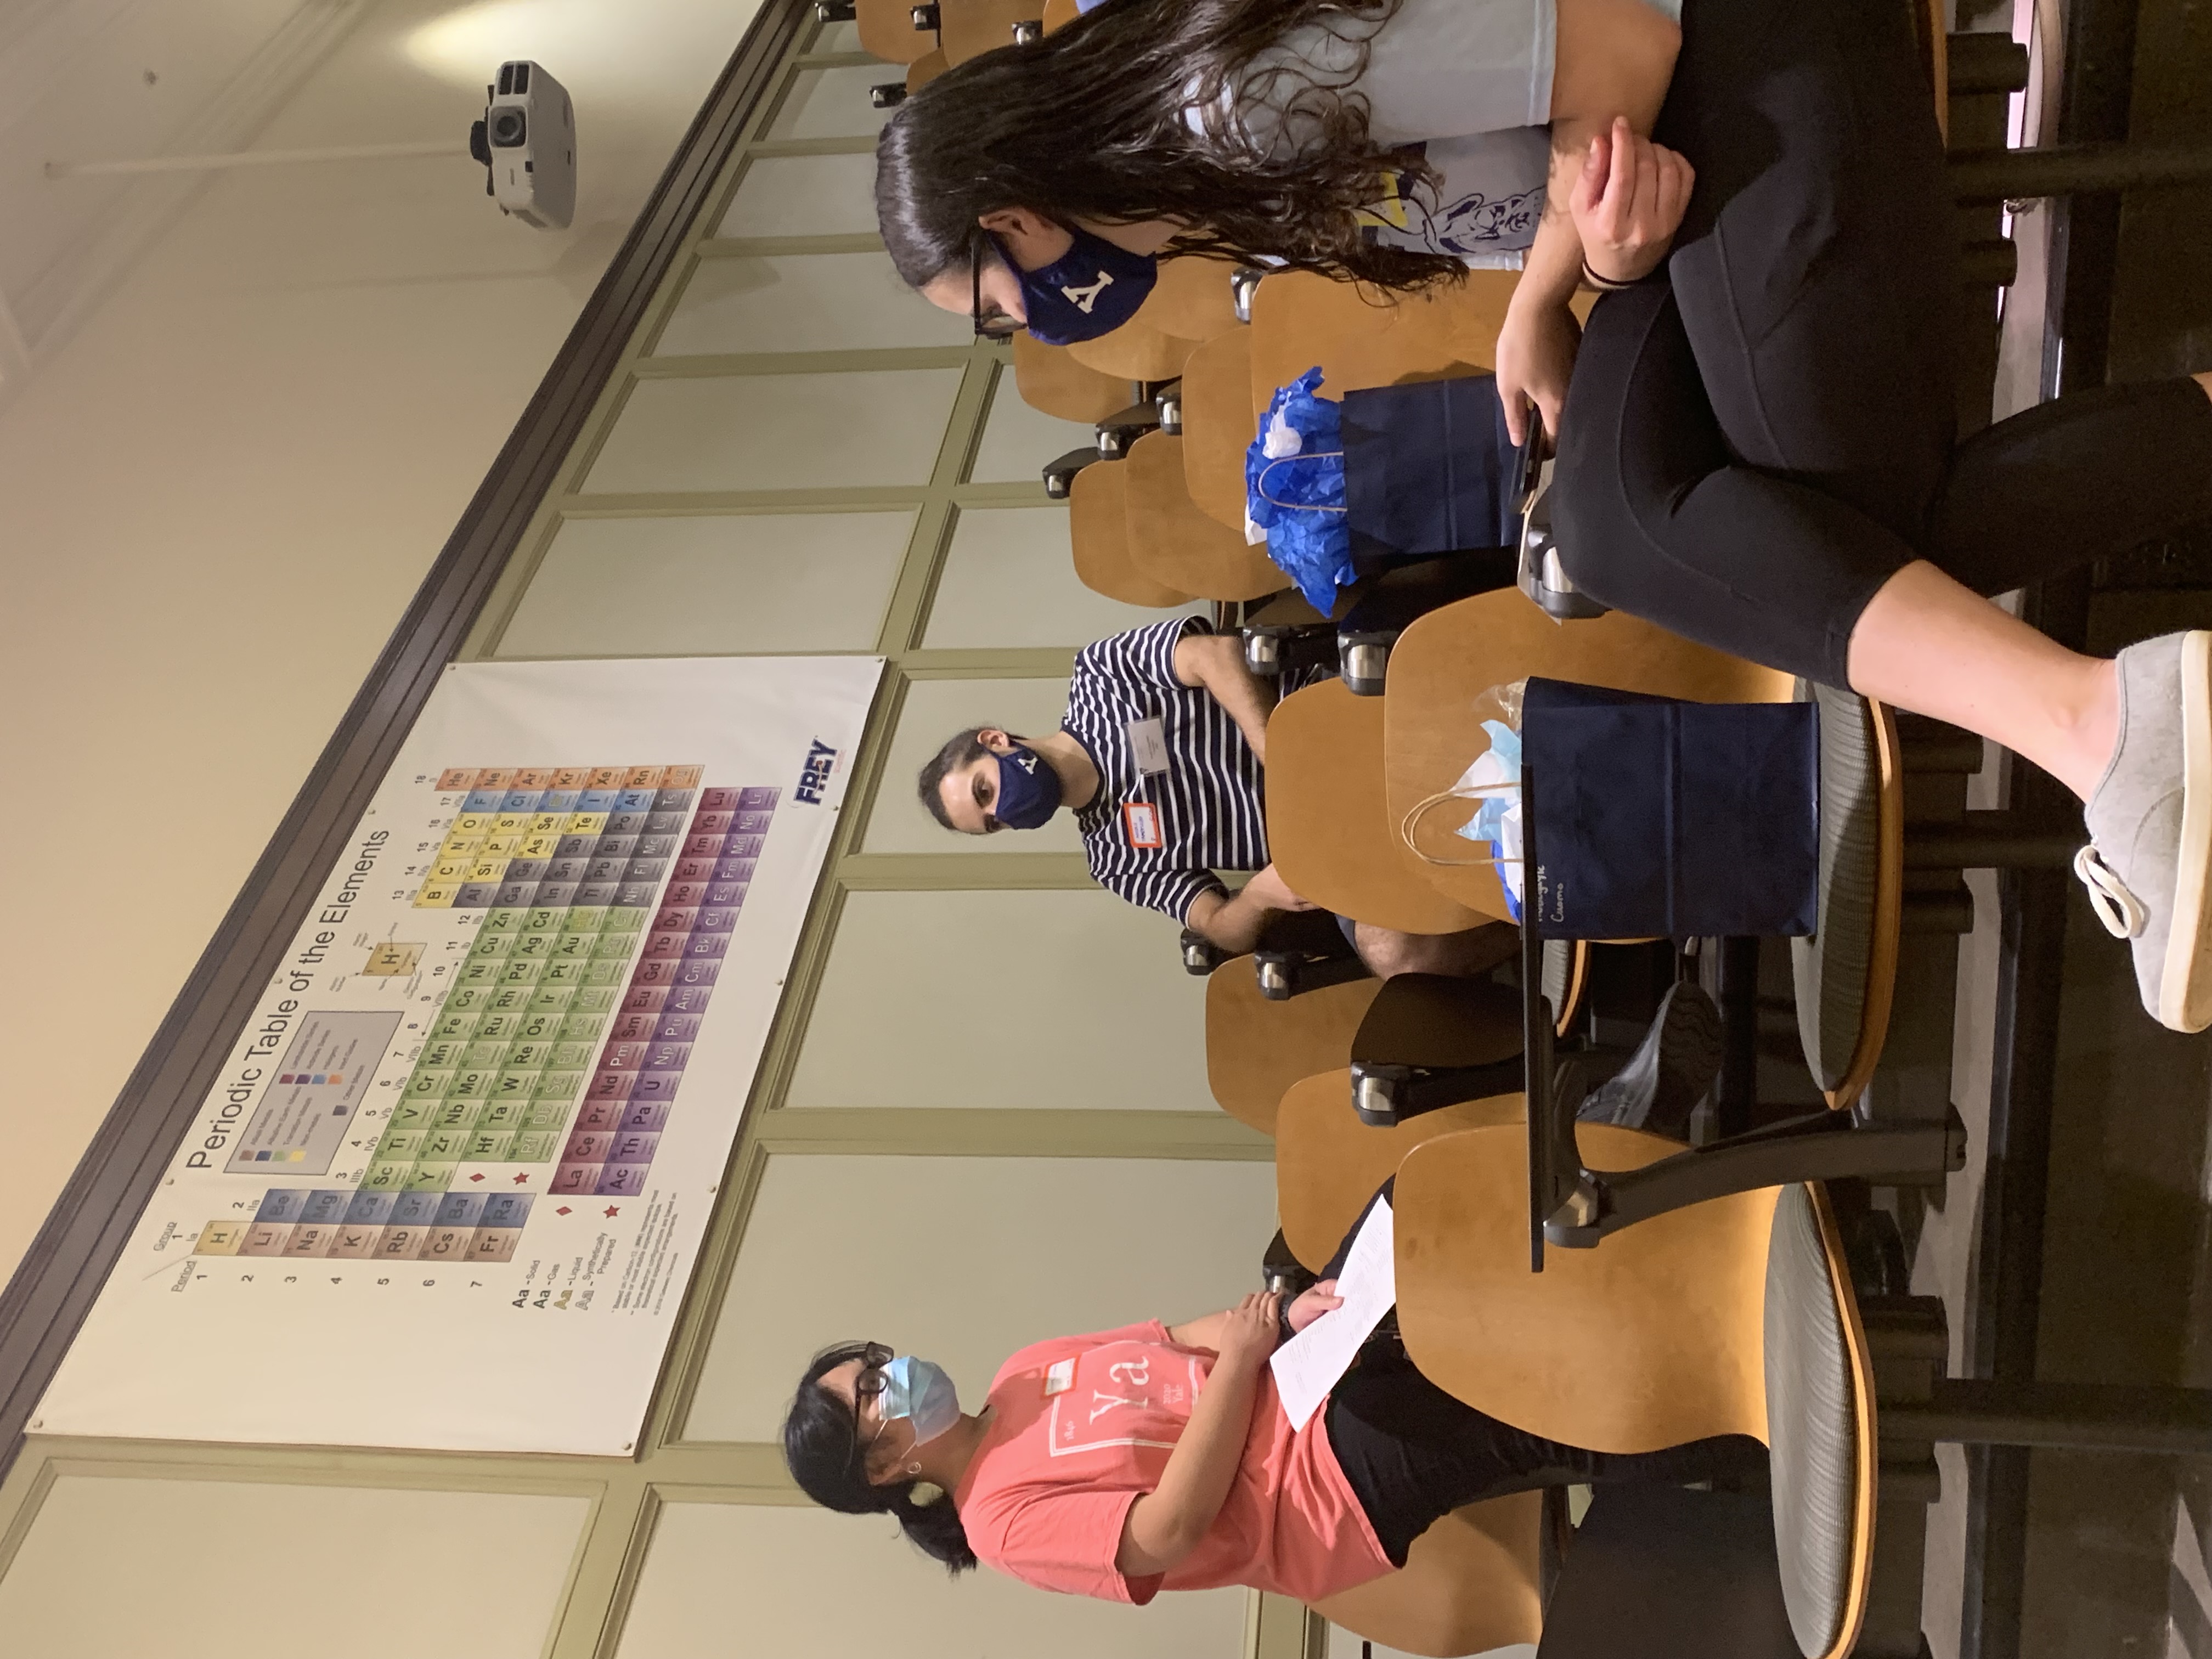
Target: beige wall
216	499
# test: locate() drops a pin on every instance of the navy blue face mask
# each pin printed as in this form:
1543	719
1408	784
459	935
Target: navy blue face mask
1089	290
1029	790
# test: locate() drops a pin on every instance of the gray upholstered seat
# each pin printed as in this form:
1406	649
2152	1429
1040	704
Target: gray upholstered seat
1812	1426
1831	967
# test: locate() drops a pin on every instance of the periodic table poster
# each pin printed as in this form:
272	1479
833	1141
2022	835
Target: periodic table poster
451	1184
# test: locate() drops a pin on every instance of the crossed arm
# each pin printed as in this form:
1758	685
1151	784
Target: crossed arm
1614	198
1167	1523
1215	662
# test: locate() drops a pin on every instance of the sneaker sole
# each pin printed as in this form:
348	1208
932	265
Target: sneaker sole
2184	987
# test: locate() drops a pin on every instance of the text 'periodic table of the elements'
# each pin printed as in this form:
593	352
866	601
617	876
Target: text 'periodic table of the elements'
542	1051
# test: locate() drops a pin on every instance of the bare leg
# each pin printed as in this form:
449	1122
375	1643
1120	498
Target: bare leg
1926	644
1462	955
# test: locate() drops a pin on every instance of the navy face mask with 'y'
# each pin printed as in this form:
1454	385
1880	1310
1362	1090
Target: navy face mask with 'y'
1029	790
1091	289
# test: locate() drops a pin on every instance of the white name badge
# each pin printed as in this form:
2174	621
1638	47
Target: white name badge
1058	1378
1149	739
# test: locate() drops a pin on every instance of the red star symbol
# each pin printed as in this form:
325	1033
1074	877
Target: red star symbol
612	1210
478	1176
564	1209
520	1179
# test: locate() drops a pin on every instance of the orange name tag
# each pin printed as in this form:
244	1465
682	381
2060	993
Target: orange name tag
1140	822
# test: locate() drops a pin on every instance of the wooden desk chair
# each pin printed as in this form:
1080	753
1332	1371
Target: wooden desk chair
1138	350
887	31
926	68
967	28
1471	1582
1329	821
1736	1316
1191	298
1359	338
1059	14
1447	658
1329	1163
1098	528
1257	1050
1054	383
1178	546
1218	425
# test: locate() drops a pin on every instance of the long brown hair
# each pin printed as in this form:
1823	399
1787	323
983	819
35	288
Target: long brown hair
1090	123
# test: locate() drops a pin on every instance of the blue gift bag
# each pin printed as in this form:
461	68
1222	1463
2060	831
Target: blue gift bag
1653	818
1429	468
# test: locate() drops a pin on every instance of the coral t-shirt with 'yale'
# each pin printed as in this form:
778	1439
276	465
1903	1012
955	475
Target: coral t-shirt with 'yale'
1082	1427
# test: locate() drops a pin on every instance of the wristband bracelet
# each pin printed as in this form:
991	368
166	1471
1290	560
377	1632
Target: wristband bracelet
1603	285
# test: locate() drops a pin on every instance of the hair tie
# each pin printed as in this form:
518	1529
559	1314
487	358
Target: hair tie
922	1494
1603	285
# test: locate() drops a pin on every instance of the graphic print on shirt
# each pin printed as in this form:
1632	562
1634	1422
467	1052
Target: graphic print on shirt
1125	1394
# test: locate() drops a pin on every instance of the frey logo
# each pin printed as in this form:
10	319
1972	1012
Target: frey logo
814	776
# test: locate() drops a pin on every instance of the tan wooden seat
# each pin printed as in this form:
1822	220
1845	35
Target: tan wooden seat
1255	1050
1471	1582
1054	383
1177	546
1218	425
1733	1316
924	69
1098	527
1328	821
1138	350
1059	14
967	28
1447	658
1191	298
1358	338
887	31
1329	1163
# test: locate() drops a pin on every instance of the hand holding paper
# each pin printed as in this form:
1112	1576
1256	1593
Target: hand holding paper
1311	1363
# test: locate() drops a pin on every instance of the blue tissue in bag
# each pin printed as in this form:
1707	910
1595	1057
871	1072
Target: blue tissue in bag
1295	490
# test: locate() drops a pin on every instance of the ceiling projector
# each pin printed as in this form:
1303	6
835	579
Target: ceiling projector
528	143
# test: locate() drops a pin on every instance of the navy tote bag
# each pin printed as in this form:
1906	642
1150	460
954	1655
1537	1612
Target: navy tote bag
1429	468
1657	818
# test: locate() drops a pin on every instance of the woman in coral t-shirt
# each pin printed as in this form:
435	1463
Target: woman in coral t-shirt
1156	1456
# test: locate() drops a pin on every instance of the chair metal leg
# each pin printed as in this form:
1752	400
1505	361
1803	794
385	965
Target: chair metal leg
2011	175
2080	1417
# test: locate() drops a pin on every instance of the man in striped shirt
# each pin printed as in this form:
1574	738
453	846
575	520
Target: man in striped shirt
1160	755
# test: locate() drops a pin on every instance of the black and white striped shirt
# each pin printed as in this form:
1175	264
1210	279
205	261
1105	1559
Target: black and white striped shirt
1207	803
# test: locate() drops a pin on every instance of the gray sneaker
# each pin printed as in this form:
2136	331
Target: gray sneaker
2150	827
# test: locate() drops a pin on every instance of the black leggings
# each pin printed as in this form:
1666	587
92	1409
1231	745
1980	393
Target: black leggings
1762	433
1413	1454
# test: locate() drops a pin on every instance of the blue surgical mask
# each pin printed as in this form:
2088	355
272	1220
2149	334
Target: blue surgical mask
1091	289
916	1389
1029	790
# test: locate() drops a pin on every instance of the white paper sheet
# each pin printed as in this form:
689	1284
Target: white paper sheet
1310	1365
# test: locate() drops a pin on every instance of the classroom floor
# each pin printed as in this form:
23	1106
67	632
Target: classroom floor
2120	1549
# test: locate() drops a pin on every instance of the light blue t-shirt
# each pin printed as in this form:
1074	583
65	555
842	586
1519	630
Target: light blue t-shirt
1469	81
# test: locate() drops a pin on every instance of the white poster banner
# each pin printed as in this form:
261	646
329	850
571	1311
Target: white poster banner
451	1184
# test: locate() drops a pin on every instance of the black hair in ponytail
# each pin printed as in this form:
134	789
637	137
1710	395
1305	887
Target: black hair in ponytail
822	1449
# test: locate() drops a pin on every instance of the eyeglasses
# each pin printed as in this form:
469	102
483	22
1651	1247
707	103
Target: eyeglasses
869	1385
997	327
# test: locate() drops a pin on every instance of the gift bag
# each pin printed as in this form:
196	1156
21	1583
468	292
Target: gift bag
1429	468
1655	817
1652	817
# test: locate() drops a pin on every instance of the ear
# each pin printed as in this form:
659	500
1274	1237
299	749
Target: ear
996	741
1012	221
1027	237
